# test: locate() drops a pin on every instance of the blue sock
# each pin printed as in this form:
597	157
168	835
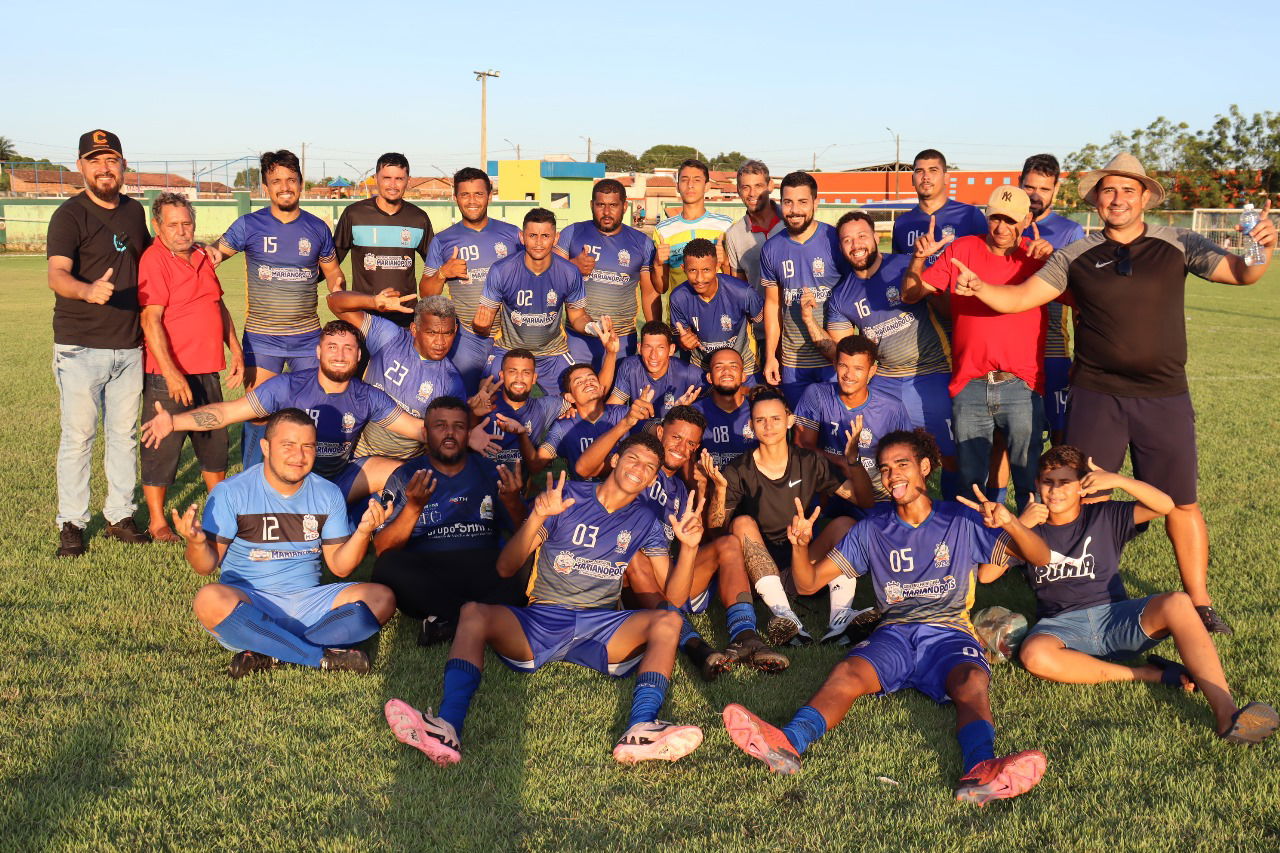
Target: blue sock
247	627
977	743
250	449
805	727
950	484
461	678
650	692
344	626
740	617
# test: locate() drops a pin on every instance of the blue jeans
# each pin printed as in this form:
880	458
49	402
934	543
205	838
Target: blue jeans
977	412
92	383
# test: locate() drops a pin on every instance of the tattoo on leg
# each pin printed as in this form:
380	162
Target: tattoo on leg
208	420
759	563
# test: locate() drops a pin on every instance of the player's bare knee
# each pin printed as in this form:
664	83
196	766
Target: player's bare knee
666	622
968	682
1036	658
745	525
847	677
380	600
213	603
472	615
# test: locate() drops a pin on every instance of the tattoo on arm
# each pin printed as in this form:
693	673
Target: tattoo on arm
826	346
206	419
845	491
715	510
759	563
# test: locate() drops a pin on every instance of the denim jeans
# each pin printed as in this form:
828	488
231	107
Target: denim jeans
92	383
977	411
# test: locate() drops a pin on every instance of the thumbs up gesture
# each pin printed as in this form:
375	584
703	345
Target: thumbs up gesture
98	292
967	282
455	267
585	262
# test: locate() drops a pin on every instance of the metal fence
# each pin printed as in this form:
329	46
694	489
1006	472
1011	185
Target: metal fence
193	178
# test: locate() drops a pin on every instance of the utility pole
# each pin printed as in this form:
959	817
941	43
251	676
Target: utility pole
304	168
816	154
483	77
588	140
515	145
897	160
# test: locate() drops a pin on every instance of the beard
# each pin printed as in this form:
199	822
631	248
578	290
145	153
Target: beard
104	194
872	257
726	390
517	398
449	457
336	375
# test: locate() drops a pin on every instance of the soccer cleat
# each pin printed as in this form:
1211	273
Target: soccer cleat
750	649
1213	623
710	662
1252	724
70	541
760	740
436	630
864	622
245	663
126	531
802	638
656	741
345	660
436	737
841	618
1001	778
783	628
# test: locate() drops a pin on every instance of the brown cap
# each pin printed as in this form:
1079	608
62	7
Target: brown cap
1125	165
1009	201
99	140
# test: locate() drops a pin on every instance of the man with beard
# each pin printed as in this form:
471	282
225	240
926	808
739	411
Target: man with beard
286	250
954	218
268	529
339	404
672	381
725	407
671	235
745	238
440	544
382	234
93	245
712	310
913	351
569	438
461	257
805	256
518	421
616	262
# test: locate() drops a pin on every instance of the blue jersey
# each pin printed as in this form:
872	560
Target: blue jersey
481	250
909	338
821	409
728	434
926	573
537	414
585	550
273	541
614	284
721	321
339	418
668	495
966	219
816	264
464	510
532	306
632	379
1058	231
569	438
283	261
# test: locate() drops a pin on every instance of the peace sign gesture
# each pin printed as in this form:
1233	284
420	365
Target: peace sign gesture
688	527
552	501
689	396
707	463
390	299
928	244
1040	247
800	530
852	438
484	400
993	514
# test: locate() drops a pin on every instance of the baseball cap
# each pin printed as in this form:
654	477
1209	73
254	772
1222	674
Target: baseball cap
1009	201
99	140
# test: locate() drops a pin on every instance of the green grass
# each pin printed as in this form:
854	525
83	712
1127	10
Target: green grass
122	730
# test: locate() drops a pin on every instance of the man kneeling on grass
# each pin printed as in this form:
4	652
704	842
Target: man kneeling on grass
1087	620
922	557
267	528
587	535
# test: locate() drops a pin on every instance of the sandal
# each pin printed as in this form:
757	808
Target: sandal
1252	724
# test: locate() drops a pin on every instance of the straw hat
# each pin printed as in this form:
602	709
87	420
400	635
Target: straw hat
1125	165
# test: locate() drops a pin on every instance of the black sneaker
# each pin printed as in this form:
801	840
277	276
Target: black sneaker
245	663
436	630
710	662
861	626
126	530
748	648
345	660
1213	623
70	541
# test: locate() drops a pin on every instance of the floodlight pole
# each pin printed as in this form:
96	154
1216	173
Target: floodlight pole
483	77
897	156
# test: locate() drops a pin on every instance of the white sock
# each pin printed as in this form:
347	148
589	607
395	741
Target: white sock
842	590
770	590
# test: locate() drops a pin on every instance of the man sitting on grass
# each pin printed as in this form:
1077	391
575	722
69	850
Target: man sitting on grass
1087	620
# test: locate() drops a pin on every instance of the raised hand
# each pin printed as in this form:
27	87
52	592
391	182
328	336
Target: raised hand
688	339
663	253
800	530
188	525
993	514
374	515
1264	233
852	437
419	489
585	262
641	407
1099	480
482	441
928	244
1034	513
510	480
99	291
688	527
158	428
608	337
967	282
483	401
808	302
390	299
1039	247
707	464
455	267
689	396
510	425
552	501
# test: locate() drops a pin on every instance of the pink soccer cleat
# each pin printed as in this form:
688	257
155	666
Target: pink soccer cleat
424	731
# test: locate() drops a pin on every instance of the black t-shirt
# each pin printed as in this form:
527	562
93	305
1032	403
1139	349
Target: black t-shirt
1085	567
113	239
382	247
773	502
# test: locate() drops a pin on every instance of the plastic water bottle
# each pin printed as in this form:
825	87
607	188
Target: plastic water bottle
1249	218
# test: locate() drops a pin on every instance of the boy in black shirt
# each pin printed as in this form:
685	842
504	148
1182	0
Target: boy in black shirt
1087	620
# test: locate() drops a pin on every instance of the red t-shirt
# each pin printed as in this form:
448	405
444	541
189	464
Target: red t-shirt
982	339
191	296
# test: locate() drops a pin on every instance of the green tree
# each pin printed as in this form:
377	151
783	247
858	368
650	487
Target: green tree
728	162
8	151
618	160
247	179
666	156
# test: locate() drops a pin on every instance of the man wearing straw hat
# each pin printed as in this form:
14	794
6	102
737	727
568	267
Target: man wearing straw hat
1129	383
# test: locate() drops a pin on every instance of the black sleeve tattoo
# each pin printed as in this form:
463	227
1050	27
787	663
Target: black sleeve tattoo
206	419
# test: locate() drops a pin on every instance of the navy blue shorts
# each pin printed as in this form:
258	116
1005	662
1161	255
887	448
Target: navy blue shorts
470	354
927	401
1056	378
575	636
1109	631
273	352
920	656
549	367
795	380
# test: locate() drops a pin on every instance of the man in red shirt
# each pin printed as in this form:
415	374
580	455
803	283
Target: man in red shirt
185	325
997	374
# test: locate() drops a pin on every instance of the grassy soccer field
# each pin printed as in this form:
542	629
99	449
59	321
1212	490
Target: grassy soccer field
121	729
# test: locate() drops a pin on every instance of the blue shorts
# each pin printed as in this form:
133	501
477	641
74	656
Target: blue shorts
1056	377
470	354
574	636
700	602
346	478
294	611
549	367
1109	631
927	401
630	346
796	379
920	656
273	352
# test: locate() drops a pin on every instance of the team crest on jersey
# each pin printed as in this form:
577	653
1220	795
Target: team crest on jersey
624	539
726	324
669	399
348	422
942	555
370	262
486	508
405	236
864	438
747	432
500	249
425	390
517	317
310	527
819	268
552	299
893	592
894	295
563	562
304	246
624	258
264	273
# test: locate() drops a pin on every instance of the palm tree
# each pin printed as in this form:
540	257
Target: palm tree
7	149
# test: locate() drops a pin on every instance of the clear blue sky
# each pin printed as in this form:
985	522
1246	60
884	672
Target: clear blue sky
779	81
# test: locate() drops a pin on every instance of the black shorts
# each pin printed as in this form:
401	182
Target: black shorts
1158	432
160	465
780	552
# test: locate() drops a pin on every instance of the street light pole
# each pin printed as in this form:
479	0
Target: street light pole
588	141
515	145
818	154
483	77
897	158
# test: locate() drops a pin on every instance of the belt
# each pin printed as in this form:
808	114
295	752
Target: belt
1000	376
